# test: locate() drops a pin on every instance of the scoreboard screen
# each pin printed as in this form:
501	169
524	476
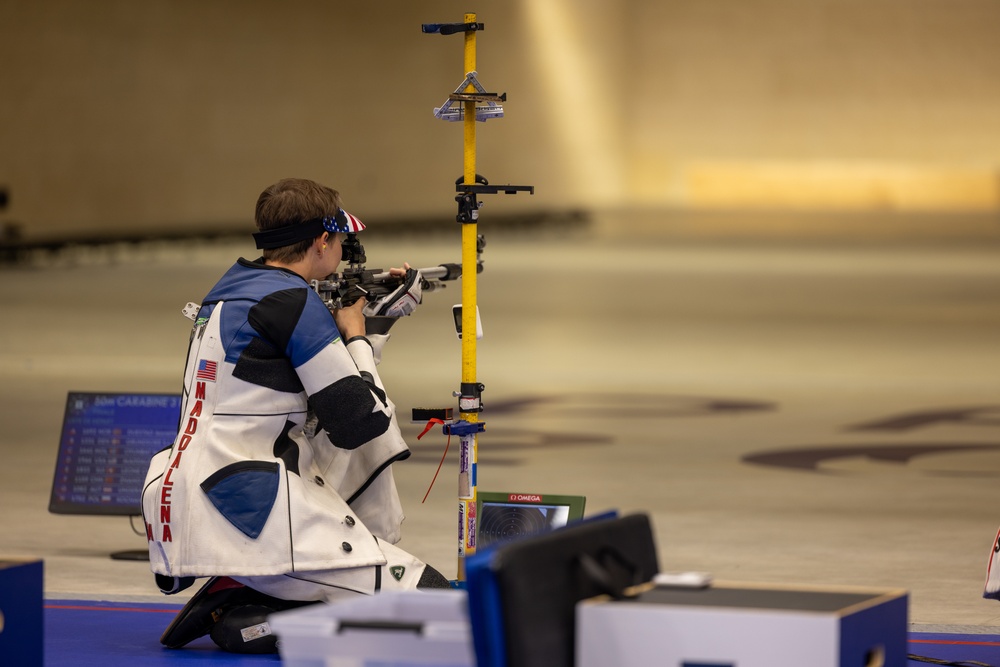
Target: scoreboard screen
105	447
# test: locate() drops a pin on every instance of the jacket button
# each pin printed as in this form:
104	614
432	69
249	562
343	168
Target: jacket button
349	520
346	546
318	480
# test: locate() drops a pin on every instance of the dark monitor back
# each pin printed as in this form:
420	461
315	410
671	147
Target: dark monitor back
104	450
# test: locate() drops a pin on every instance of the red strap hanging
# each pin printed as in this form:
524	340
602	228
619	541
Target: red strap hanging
430	424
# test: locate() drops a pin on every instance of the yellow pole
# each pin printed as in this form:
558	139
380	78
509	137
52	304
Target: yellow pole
469	231
467	487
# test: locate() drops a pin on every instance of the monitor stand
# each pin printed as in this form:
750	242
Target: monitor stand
132	554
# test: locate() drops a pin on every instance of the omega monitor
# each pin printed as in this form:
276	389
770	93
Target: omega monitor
106	442
503	516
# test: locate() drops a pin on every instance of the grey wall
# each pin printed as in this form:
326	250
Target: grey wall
131	115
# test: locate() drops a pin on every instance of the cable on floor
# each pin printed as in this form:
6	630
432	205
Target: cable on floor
950	663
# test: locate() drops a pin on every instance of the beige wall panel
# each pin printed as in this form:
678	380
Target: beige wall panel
867	93
151	114
122	115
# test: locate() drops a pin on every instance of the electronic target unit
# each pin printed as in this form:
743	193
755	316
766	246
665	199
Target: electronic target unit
503	516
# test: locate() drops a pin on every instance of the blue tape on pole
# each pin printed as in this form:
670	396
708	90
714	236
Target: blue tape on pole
463	427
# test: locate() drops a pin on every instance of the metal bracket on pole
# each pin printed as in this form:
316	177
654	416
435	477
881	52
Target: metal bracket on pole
470	398
450	28
468	203
486	103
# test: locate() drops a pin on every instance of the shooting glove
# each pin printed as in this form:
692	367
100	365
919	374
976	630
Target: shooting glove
401	301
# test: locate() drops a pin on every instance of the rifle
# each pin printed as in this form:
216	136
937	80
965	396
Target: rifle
339	290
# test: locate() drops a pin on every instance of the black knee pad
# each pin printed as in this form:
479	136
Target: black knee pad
431	578
244	629
202	610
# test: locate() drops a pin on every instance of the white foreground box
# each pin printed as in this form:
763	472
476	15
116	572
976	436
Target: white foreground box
743	625
397	629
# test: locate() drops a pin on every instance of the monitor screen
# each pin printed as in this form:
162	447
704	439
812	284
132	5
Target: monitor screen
105	447
505	516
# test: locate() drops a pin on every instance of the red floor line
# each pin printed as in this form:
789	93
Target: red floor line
952	642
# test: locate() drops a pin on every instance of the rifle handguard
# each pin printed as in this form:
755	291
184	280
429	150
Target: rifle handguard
342	290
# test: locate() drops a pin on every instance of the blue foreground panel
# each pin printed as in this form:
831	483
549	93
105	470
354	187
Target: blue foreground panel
21	636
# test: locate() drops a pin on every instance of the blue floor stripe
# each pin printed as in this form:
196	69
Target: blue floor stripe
112	634
955	647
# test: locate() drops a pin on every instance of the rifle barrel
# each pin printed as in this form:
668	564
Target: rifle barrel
439	272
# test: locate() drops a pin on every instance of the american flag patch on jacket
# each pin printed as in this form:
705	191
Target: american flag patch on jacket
207	370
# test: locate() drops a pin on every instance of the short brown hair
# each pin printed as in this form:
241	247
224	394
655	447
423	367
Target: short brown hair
293	201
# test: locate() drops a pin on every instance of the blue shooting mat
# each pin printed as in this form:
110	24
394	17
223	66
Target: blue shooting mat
84	633
953	648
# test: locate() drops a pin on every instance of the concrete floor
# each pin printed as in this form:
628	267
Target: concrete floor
816	413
